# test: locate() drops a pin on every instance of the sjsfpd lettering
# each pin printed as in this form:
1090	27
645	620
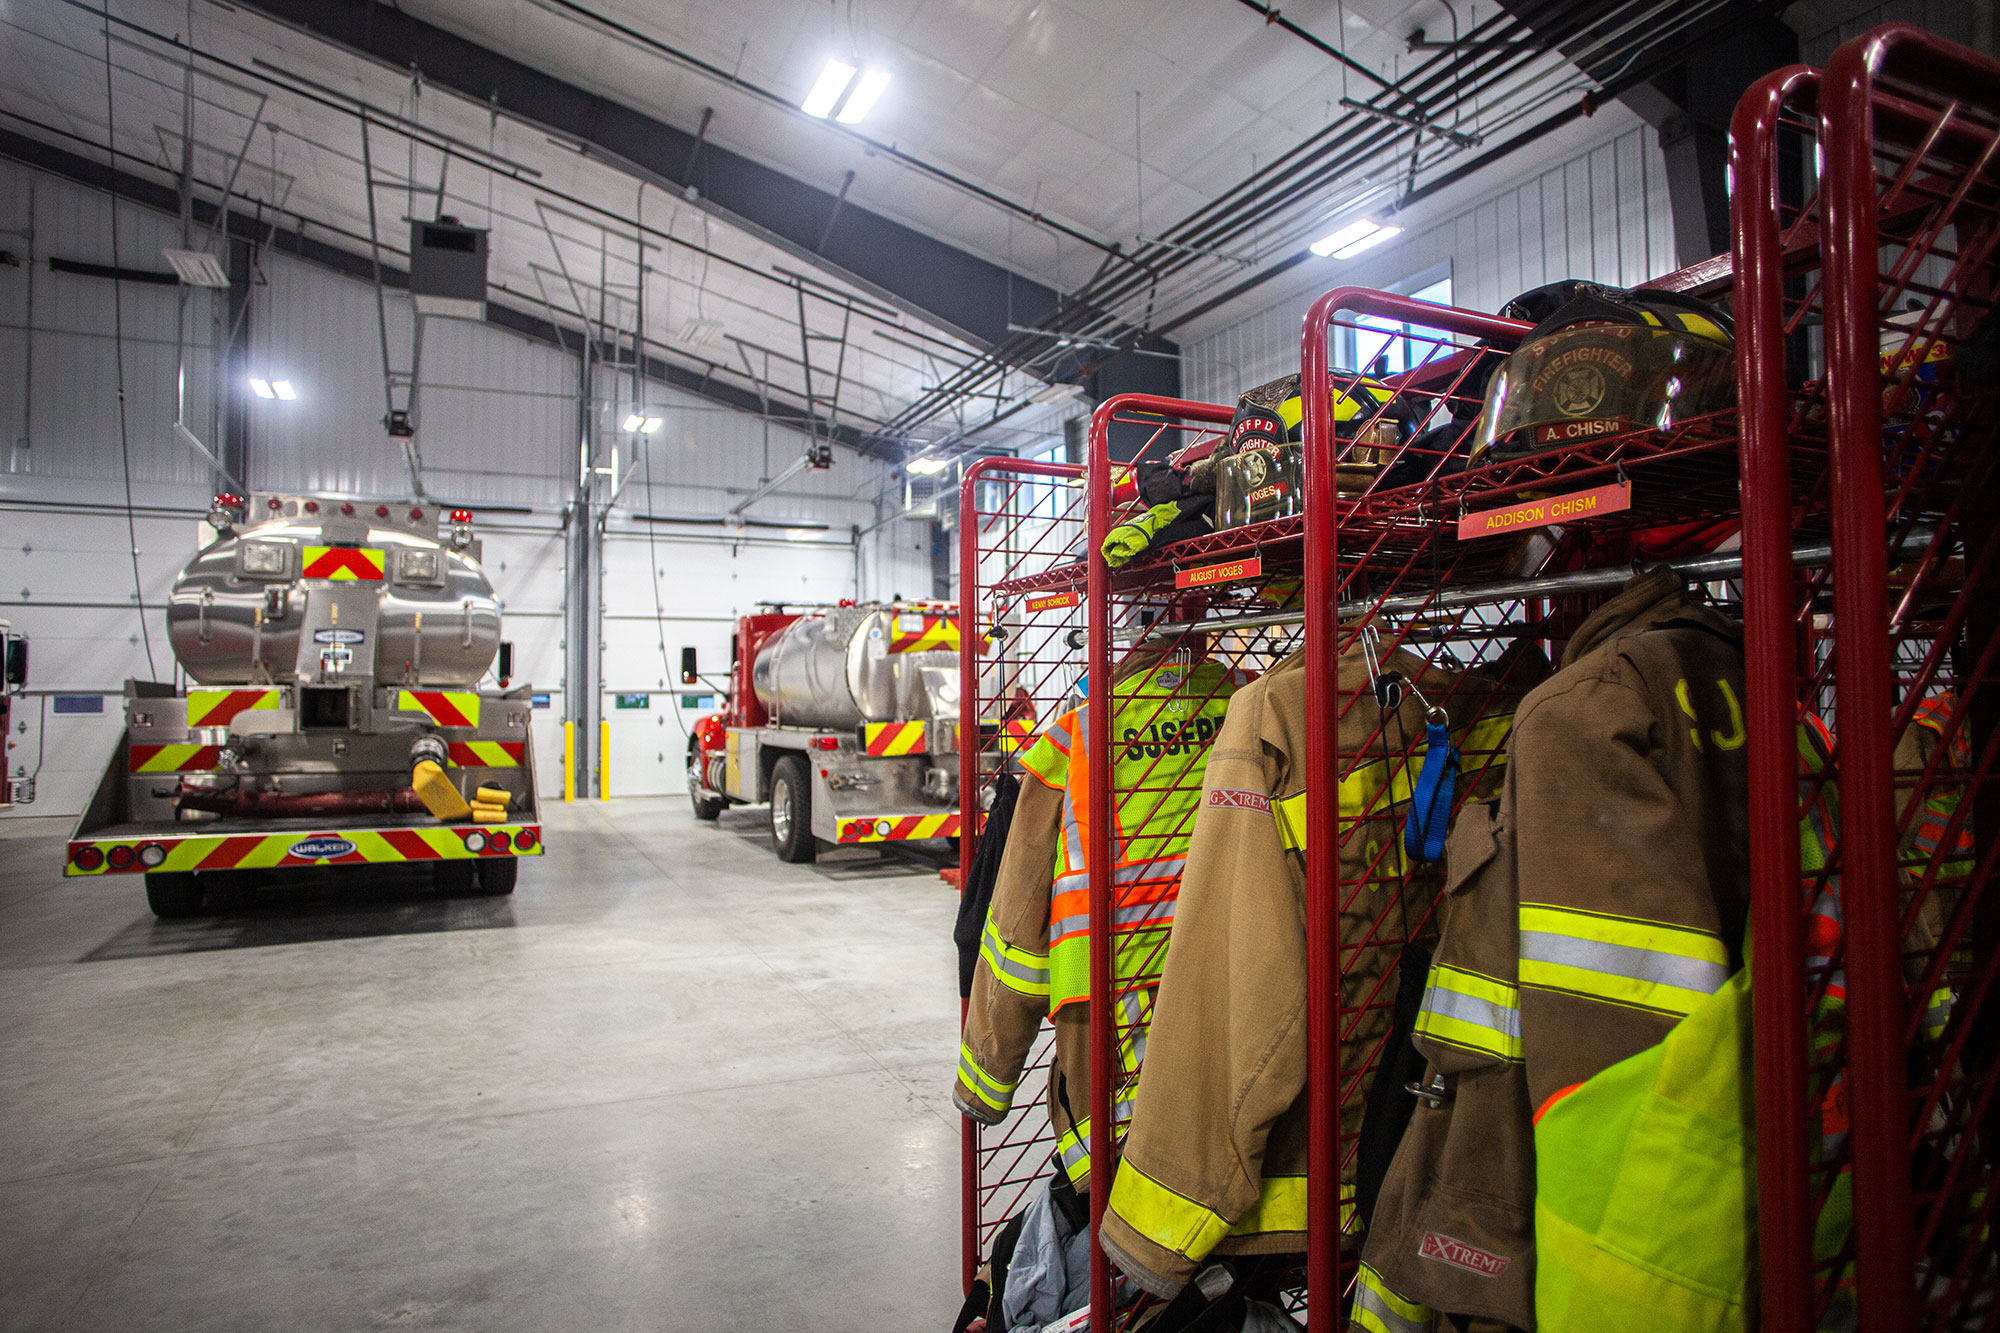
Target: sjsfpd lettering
1168	738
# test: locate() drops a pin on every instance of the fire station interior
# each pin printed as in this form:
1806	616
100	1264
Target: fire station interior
995	665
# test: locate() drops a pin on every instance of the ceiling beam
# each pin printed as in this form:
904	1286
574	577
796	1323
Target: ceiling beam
96	174
925	276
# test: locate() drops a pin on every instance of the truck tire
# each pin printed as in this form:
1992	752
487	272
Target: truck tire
497	875
791	811
455	878
173	893
709	808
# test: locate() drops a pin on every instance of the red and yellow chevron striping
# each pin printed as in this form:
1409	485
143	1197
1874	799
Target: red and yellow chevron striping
366	563
938	634
894	828
218	708
887	739
487	754
262	851
447	708
175	758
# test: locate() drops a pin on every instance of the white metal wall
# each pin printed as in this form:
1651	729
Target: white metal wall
1602	214
499	429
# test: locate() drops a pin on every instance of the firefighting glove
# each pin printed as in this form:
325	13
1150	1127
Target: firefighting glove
1160	525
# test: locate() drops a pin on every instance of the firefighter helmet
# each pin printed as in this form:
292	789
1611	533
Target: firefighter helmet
1259	467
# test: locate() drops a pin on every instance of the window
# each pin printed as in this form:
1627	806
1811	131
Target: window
1391	343
1044	498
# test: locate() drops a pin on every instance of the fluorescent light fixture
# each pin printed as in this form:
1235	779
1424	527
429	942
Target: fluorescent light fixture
650	424
196	268
802	534
699	332
284	390
262	388
926	467
633	421
1351	240
639	423
826	90
862	100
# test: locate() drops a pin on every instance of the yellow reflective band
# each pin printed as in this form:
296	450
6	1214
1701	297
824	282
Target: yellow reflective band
1361	790
1938	1014
1621	960
1048	760
1172	1221
994	1092
1016	969
1379	1309
1489	735
1471	1011
1281	1206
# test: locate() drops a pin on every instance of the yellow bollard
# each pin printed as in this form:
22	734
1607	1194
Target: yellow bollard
603	761
569	761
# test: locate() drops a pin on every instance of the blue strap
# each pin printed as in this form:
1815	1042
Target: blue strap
1430	803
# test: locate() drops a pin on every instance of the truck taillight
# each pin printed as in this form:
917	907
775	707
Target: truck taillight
826	742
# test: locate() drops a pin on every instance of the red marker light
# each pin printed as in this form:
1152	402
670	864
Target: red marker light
276	503
499	841
524	840
312	506
826	742
347	509
461	516
416	514
121	857
381	511
88	858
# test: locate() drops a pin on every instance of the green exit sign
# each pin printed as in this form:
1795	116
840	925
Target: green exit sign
635	701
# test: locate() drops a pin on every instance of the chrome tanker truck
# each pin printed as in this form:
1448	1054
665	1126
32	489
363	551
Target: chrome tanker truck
334	652
844	718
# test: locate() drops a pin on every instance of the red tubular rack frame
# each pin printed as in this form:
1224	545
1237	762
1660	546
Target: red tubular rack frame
1850	99
972	778
1098	852
1785	1226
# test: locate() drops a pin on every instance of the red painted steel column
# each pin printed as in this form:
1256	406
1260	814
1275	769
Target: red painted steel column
1784	1201
1883	1258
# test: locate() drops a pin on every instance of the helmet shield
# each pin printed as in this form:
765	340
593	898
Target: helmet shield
1583	381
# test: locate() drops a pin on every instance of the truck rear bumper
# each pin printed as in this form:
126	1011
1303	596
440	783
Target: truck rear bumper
128	849
897	828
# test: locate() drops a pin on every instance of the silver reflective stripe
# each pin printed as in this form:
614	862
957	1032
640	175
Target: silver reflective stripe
1375	1304
1472	1009
1035	979
1137	873
1072	836
1160	915
1624	960
981	1082
1132	1009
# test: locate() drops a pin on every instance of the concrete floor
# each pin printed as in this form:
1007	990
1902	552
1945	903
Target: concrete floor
671	1083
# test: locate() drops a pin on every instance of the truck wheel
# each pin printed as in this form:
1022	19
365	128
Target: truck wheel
705	807
791	811
455	878
497	875
173	893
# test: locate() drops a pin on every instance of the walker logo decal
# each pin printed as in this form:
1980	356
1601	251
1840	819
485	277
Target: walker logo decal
1460	1255
1612	499
1234	798
320	849
1229	571
344	562
339	636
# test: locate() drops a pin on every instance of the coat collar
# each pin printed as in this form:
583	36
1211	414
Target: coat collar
1648	601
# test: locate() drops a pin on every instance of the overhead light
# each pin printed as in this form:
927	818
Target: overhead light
262	388
862	100
641	424
803	534
1352	239
284	390
926	467
196	268
649	425
633	421
826	90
